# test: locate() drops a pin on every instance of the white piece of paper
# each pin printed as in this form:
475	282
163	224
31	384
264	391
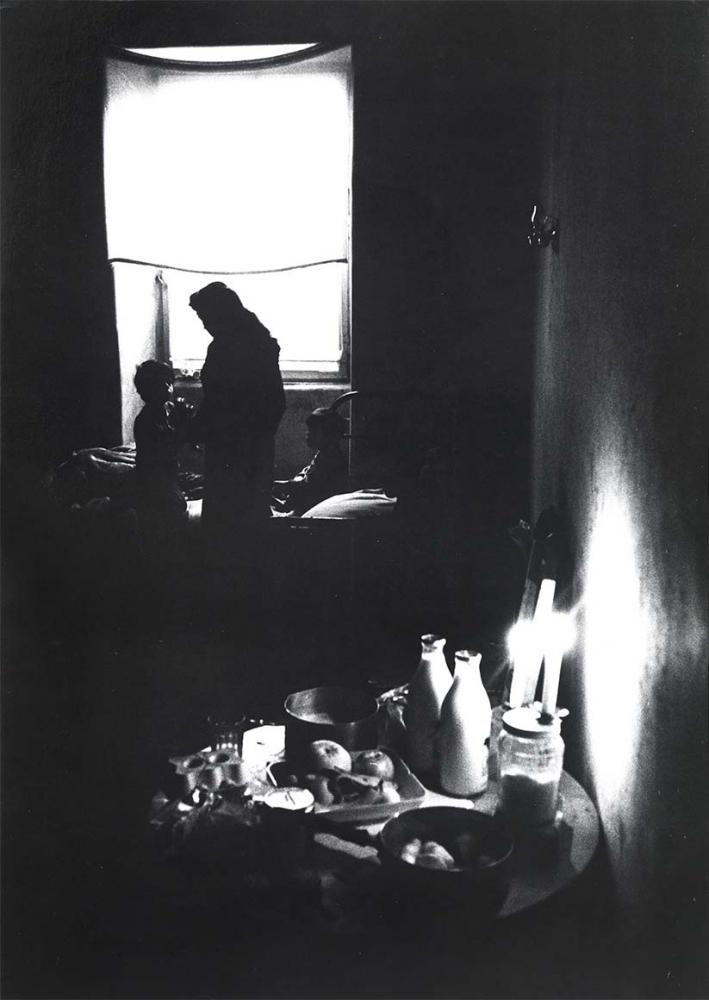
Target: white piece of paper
262	745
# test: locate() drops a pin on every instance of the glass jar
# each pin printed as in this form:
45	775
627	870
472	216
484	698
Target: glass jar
530	760
226	733
495	730
501	704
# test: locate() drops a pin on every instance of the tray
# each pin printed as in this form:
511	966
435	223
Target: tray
410	789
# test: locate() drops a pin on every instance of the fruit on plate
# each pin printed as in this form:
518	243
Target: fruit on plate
356	789
332	777
388	792
375	762
324	755
319	785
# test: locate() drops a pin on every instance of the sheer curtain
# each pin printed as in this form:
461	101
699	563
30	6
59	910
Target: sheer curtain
237	169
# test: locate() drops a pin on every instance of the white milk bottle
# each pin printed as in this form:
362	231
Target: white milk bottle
464	731
427	690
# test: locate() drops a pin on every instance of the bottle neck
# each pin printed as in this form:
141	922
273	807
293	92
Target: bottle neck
468	668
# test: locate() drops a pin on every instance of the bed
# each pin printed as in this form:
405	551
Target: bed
421	543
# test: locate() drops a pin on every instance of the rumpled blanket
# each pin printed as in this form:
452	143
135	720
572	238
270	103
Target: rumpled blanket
93	473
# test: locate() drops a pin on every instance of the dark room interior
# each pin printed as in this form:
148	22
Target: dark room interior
568	372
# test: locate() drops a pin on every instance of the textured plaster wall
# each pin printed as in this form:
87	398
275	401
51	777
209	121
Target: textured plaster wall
620	446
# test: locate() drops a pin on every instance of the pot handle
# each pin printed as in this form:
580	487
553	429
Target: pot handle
395	695
390	718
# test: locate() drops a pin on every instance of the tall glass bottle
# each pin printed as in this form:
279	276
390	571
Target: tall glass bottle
427	690
464	730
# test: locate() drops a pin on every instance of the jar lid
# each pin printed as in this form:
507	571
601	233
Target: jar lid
295	799
526	722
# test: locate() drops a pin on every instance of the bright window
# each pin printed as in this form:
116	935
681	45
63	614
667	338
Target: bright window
304	309
234	171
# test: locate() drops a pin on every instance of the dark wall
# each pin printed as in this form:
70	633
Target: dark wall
59	348
620	430
446	124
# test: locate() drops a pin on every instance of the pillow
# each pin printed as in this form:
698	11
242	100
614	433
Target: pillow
361	503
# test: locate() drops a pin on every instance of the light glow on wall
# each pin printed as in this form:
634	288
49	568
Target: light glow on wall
560	636
615	642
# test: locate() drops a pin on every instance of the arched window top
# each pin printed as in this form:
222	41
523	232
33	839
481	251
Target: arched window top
224	56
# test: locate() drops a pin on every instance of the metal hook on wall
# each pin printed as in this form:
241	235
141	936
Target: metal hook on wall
543	229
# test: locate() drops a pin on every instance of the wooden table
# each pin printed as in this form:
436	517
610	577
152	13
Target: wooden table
336	927
542	865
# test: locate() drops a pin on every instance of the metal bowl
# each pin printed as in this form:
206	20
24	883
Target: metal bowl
345	715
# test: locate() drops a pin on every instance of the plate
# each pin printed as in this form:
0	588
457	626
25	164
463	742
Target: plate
410	789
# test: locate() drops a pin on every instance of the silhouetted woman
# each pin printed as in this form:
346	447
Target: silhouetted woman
243	402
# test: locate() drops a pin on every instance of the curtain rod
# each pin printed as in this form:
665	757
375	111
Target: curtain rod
318	49
192	270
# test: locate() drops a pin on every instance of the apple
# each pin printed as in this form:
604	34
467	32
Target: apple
326	755
374	762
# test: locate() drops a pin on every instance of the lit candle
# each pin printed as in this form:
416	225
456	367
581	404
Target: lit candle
542	614
559	639
519	641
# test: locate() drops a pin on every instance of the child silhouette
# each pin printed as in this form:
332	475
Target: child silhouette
159	430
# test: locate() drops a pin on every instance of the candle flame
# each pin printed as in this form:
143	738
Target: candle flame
519	637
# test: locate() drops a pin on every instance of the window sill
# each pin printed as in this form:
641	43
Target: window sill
340	388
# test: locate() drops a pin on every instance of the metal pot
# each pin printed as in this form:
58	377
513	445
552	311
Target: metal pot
345	715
